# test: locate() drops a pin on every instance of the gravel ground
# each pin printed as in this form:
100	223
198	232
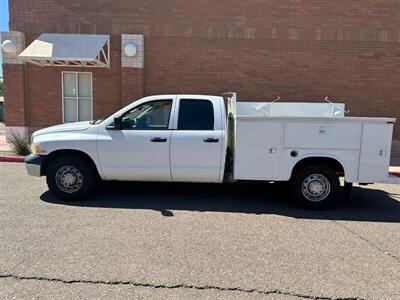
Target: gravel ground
194	241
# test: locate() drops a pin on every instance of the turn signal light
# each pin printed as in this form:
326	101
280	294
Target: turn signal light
35	149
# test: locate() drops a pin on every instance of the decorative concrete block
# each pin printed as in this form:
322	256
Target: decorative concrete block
19	39
136	61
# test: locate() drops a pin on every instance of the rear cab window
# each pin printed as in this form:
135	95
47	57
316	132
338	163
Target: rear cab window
195	115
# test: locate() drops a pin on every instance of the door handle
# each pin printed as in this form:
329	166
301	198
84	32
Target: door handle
158	140
273	150
211	140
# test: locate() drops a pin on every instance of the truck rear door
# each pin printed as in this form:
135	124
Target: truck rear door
197	141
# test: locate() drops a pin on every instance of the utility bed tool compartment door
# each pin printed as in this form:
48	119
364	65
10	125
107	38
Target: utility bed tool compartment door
319	135
375	152
258	149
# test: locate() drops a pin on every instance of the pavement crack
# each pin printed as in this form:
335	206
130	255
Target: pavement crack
376	247
176	286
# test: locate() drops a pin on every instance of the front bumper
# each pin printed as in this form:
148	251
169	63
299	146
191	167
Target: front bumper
33	164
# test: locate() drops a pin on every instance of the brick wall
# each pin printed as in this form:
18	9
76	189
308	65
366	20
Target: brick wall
299	50
14	90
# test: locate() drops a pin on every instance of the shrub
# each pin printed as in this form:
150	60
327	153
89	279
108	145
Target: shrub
20	144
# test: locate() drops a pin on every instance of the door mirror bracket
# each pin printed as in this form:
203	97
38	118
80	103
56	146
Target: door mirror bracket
117	124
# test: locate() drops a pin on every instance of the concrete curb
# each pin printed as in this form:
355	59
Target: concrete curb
14	159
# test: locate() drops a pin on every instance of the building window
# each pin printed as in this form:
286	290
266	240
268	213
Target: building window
77	97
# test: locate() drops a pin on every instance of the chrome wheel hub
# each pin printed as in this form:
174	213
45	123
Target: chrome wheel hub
316	187
69	179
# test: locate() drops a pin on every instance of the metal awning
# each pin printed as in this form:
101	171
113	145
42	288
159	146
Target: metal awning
72	50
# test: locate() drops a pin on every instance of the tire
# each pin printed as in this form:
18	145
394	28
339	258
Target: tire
316	187
70	178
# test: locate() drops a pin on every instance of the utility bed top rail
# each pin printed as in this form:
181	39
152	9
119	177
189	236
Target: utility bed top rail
290	109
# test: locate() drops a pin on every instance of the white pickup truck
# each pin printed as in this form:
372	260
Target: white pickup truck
195	138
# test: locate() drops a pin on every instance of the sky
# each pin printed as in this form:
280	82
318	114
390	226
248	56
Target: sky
3	24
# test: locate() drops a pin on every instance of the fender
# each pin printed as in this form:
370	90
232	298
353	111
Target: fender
293	164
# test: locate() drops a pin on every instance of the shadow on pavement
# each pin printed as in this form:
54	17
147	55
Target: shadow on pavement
251	198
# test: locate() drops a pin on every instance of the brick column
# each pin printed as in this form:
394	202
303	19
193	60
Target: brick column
132	71
15	114
131	85
15	95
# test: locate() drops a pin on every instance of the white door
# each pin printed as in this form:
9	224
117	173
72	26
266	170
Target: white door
375	152
77	97
140	151
197	141
258	149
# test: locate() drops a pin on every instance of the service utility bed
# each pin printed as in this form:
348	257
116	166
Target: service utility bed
270	138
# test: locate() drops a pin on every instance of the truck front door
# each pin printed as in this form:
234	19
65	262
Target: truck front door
140	150
197	141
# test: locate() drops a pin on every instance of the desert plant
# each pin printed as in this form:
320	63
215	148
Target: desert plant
20	144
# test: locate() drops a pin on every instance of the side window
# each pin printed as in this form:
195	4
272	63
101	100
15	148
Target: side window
196	115
148	116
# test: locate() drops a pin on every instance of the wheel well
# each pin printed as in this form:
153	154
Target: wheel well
56	154
326	161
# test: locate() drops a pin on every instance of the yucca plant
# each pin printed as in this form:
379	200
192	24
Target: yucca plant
20	144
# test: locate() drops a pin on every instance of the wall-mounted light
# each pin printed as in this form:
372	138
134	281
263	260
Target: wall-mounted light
130	50
8	47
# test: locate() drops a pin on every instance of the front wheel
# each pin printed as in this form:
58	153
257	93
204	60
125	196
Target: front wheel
70	178
316	187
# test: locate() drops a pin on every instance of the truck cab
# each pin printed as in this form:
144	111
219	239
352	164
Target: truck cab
158	138
165	138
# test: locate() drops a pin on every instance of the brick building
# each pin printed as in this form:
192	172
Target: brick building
299	50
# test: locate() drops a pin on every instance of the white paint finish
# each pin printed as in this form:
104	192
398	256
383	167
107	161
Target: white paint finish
130	155
67	127
192	159
347	158
74	136
74	50
18	38
319	135
262	147
258	149
334	139
136	61
290	109
320	119
375	152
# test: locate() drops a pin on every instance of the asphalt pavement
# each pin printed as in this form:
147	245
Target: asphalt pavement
184	241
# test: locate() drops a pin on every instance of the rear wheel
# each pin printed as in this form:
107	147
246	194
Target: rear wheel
70	178
316	187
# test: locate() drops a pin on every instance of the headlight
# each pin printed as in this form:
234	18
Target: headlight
35	149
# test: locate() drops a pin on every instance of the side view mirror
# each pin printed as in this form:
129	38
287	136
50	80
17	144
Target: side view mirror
117	123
